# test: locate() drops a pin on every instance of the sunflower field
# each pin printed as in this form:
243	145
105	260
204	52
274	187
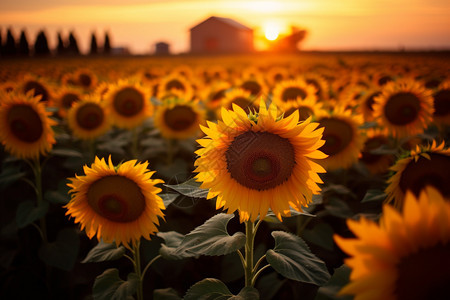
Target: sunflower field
306	176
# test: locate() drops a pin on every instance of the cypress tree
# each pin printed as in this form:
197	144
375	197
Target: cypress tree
24	47
61	47
107	45
94	47
73	45
41	44
9	48
1	43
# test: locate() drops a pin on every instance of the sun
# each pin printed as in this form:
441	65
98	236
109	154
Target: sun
271	33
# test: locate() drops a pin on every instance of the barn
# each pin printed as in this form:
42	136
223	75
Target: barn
221	35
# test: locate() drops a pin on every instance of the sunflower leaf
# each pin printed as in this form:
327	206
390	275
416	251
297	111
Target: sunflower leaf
172	240
104	252
168	198
334	285
27	212
63	252
211	238
292	258
109	286
208	288
374	195
9	175
190	188
66	153
165	294
270	217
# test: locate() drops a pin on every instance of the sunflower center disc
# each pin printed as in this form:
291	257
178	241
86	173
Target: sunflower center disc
25	123
68	99
315	84
175	84
128	102
180	117
442	103
371	144
116	198
90	116
39	89
337	135
292	93
252	86
425	274
402	108
85	80
371	100
244	103
435	172
260	160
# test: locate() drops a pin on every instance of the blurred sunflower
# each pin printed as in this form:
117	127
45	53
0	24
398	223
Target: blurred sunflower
343	140
441	98
128	103
88	119
404	107
306	108
377	163
366	102
85	78
427	165
241	98
39	86
116	203
215	93
320	84
102	89
175	84
7	86
179	119
25	126
255	84
65	98
405	256
261	161
293	90
275	75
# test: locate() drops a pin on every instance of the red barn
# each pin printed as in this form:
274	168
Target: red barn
221	35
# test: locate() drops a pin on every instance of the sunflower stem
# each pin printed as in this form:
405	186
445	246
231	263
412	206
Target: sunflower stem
37	170
250	239
148	265
137	269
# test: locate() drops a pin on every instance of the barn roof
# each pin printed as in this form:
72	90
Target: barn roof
228	21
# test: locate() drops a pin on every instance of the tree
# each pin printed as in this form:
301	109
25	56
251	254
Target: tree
9	48
24	47
1	43
61	47
107	44
41	44
94	47
73	45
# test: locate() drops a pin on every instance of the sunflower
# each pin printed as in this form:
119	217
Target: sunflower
366	102
255	84
404	107
320	84
426	165
216	93
293	90
8	86
25	128
175	84
116	203
441	98
39	86
343	140
128	103
85	78
405	256
179	119
275	75
261	161
88	119
306	108
65	98
241	98
377	163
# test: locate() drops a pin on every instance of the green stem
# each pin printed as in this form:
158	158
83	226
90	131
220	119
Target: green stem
250	239
258	273
39	195
137	269
148	265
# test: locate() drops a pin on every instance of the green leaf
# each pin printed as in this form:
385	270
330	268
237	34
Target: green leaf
247	293
27	212
212	238
208	289
368	125
56	197
190	188
10	175
67	153
104	252
321	235
374	195
168	198
338	208
172	240
165	294
339	279
292	258
109	286
63	252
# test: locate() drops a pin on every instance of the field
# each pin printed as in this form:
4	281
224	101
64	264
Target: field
290	145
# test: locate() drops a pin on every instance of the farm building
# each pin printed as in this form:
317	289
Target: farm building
162	48
221	35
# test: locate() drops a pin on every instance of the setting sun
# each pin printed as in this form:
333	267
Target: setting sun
271	33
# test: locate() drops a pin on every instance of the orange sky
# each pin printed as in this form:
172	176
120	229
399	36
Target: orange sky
332	25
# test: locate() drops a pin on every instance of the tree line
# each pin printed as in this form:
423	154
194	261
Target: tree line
10	47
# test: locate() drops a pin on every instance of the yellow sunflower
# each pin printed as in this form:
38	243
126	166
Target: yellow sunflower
65	98
405	256
275	75
261	161
441	98
129	104
343	140
39	86
25	125
377	163
88	119
255	84
216	93
366	102
241	98
320	84
179	119
174	84
306	108
8	86
427	165
404	107
293	90
85	78
116	203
